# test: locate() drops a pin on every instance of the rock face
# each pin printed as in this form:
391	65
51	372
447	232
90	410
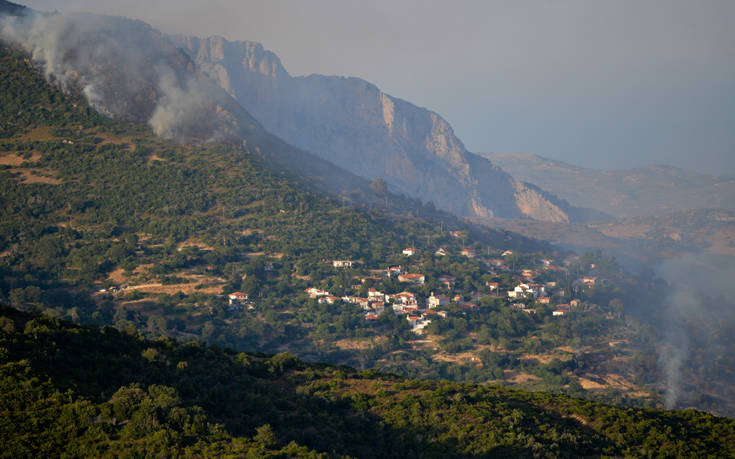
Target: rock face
351	123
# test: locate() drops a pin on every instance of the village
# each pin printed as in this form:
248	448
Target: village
524	294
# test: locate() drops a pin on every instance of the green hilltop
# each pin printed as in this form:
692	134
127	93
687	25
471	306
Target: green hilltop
80	391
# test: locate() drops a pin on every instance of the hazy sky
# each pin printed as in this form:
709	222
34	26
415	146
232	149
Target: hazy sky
607	84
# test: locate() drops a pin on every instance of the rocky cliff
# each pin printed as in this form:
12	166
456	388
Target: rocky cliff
353	124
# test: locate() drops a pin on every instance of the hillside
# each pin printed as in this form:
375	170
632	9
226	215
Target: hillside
127	70
353	124
87	391
639	240
644	191
104	222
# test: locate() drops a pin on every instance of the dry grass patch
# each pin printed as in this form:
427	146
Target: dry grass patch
194	243
14	159
517	377
353	344
155	157
118	276
40	134
541	358
588	384
172	289
36	175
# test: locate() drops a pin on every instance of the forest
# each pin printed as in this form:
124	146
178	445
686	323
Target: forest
83	391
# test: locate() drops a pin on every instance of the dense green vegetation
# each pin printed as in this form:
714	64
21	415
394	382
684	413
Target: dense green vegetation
88	391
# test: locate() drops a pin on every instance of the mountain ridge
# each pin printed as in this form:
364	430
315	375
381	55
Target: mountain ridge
355	125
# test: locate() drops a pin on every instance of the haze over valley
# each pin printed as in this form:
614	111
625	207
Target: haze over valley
276	265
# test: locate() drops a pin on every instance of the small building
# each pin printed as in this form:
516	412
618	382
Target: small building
383	273
469	253
441	252
447	280
329	299
375	295
524	290
492	286
395	270
403	298
237	298
409	251
419	326
314	292
343	263
418	279
434	301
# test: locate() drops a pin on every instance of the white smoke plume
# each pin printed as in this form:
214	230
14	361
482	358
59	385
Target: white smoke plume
699	316
125	68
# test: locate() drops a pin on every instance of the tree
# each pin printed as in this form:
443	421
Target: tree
379	187
265	436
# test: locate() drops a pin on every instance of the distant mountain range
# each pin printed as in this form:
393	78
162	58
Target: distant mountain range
338	133
648	190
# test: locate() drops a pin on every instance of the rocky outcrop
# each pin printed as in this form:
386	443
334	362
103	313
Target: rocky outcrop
353	124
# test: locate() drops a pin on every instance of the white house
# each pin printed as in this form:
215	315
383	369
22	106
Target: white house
403	298
314	292
435	301
343	263
375	295
237	298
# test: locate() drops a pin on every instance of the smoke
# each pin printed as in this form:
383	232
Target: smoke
698	319
125	68
179	108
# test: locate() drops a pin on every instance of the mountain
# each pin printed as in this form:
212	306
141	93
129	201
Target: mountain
128	70
12	8
648	190
92	392
353	124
